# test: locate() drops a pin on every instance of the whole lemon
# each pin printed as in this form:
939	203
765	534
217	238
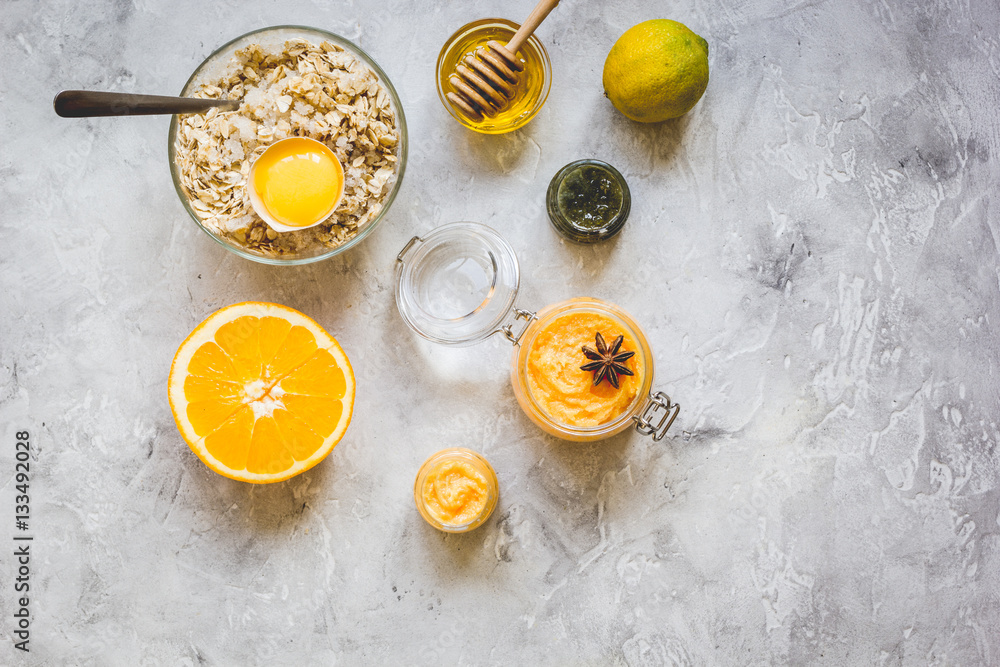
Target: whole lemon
657	70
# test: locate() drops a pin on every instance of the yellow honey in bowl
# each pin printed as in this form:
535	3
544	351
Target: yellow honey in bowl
532	85
299	180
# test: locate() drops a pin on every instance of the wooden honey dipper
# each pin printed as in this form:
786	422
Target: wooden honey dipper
484	84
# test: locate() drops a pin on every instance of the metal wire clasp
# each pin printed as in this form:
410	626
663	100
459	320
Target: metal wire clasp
409	245
644	422
508	329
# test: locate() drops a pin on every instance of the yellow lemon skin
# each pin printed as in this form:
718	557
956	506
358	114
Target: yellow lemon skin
656	71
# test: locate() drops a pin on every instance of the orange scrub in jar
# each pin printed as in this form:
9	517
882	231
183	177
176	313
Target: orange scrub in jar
456	490
564	391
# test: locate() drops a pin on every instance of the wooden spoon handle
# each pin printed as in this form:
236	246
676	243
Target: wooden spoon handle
537	15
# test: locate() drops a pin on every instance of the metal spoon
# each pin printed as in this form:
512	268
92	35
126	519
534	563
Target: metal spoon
86	103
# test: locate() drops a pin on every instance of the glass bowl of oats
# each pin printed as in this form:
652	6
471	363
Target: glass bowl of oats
293	81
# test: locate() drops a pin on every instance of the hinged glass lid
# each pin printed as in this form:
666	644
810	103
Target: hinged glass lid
457	284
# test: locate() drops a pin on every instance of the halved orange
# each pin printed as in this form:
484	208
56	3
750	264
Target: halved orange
260	392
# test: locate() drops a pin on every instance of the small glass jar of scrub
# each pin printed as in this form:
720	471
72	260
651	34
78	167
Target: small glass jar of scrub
456	490
588	201
581	369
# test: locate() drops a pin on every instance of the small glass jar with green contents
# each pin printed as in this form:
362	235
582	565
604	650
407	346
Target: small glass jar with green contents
588	201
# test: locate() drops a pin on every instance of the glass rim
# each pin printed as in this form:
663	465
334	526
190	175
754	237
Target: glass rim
401	156
487	320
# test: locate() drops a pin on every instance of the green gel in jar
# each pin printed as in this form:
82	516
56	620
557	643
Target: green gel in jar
589	197
588	201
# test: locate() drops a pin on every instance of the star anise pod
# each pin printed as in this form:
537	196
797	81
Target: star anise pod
607	362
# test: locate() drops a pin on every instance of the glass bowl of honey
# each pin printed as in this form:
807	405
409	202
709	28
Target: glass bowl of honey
533	82
211	155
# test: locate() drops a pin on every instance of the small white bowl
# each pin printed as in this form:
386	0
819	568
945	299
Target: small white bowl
261	209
